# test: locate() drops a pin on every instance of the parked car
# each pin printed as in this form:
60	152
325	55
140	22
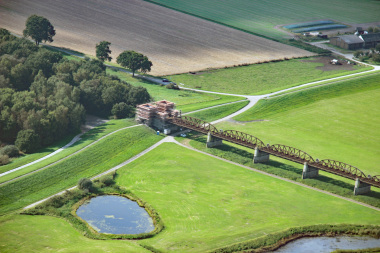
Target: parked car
165	80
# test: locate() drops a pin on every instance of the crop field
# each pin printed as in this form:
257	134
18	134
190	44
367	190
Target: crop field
173	41
102	156
205	204
339	121
262	17
267	77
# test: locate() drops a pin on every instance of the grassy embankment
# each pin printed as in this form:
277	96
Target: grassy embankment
260	18
338	121
85	139
104	155
263	78
204	203
218	112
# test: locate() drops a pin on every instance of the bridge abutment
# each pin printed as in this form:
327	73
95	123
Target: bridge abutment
213	141
361	188
260	156
309	172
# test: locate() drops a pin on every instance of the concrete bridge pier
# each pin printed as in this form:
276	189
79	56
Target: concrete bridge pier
260	156
309	172
213	141
361	187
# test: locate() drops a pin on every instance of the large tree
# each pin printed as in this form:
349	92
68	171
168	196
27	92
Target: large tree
103	51
134	61
39	29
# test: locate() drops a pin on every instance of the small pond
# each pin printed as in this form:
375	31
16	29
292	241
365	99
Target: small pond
328	244
115	215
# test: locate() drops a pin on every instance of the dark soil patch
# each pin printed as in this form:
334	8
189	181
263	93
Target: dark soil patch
328	66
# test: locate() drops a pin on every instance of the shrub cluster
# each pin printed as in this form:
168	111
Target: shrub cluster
373	54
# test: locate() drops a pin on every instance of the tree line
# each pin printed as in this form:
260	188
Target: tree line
44	97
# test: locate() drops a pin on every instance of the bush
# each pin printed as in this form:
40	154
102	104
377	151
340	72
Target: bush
10	151
122	110
27	141
107	180
376	57
173	86
4	159
85	184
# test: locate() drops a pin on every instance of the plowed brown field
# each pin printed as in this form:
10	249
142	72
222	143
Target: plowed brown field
175	42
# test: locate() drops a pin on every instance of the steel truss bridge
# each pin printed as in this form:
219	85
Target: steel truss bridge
279	150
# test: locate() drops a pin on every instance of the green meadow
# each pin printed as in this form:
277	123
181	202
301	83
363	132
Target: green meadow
261	17
337	121
262	78
204	203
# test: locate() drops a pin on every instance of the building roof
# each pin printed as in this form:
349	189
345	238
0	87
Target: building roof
351	39
371	37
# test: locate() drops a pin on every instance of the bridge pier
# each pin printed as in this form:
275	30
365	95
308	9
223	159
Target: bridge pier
361	187
213	141
309	172
260	156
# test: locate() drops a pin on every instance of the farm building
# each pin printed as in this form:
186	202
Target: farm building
353	42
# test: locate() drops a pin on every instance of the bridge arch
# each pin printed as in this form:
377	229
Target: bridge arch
243	137
336	165
197	123
292	152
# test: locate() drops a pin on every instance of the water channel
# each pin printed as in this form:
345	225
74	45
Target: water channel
115	215
328	244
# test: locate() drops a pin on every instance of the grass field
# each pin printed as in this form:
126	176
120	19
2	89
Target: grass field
206	203
24	233
85	140
102	156
185	100
173	41
260	17
338	121
263	78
